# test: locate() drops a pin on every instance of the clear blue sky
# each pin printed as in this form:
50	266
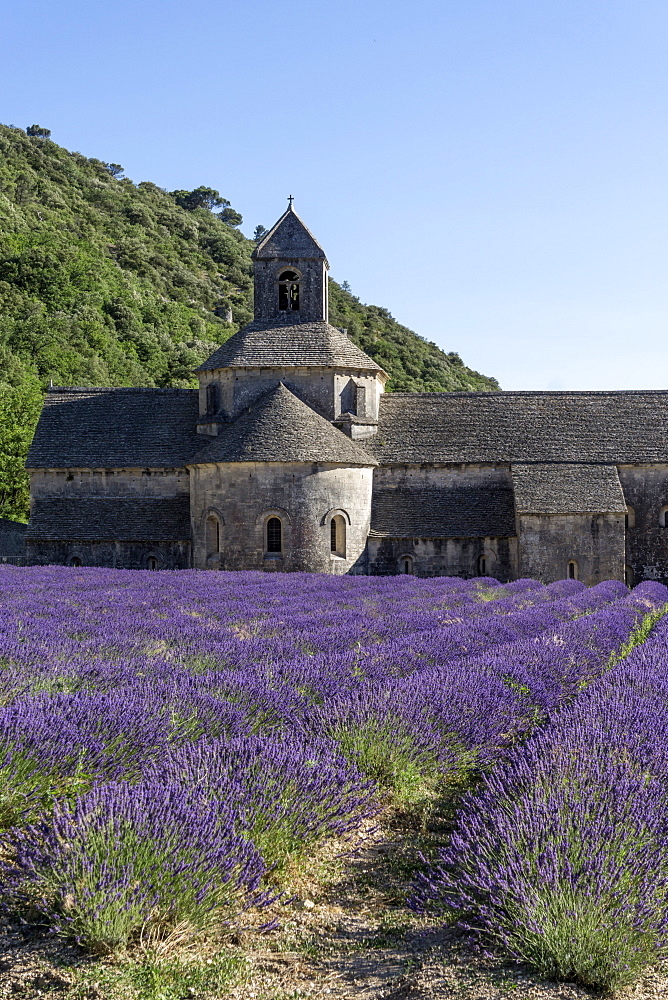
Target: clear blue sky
494	172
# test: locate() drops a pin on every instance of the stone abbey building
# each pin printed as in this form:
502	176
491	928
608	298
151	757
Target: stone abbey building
292	457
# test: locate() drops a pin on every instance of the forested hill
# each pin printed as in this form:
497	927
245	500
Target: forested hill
107	282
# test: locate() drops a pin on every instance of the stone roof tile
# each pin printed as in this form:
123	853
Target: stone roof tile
120	518
443	512
589	427
272	344
12	539
156	428
567	489
289	238
280	428
115	428
8	527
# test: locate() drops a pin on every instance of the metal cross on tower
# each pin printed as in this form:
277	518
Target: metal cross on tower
290	201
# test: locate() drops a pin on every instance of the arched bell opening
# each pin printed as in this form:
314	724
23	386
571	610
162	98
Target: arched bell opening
289	282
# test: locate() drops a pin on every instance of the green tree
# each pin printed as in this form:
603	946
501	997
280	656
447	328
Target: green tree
201	197
37	132
115	169
21	398
228	215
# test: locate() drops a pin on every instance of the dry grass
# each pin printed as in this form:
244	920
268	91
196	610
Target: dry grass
344	934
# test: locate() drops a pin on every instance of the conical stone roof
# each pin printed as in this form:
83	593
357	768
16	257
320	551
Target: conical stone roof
289	238
271	344
280	428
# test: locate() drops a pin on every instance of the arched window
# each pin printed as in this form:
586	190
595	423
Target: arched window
212	535
630	517
288	291
628	576
274	530
482	566
75	561
406	565
663	517
572	570
212	399
338	536
151	563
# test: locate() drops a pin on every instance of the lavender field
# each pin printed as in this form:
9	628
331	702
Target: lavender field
174	745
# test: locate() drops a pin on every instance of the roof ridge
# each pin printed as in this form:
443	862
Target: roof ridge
504	393
115	497
74	389
274	229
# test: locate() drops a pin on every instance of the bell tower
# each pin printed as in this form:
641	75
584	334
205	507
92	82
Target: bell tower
290	274
290	340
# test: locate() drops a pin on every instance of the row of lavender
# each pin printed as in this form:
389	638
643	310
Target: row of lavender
570	867
169	742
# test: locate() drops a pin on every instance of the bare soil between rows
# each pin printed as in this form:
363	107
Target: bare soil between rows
346	934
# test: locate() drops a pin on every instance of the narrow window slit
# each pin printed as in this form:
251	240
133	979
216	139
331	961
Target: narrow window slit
337	536
274	535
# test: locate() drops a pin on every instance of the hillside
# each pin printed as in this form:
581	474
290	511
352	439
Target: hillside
107	282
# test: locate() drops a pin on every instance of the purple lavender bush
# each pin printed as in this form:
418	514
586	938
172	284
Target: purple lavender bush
127	858
432	729
560	856
55	747
561	860
169	742
287	795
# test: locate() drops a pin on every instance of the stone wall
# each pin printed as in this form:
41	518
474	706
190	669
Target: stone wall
116	555
304	496
357	393
313	289
548	542
646	491
109	482
449	476
12	540
444	557
325	390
